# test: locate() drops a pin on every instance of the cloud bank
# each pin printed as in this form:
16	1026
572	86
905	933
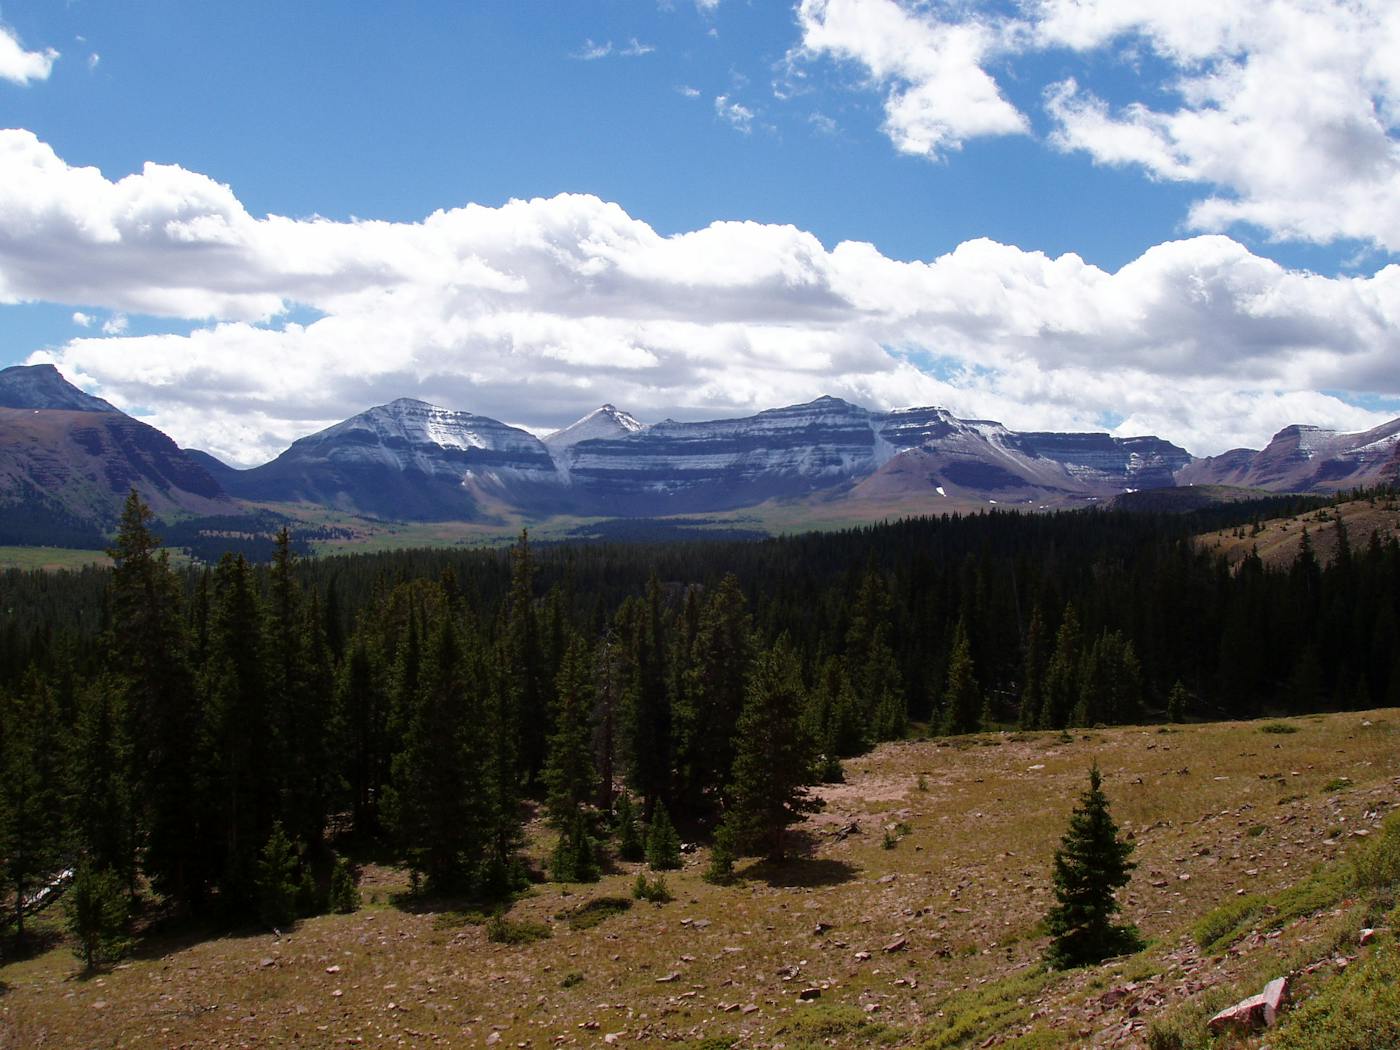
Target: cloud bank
537	311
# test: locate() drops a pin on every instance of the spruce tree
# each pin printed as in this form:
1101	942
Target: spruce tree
95	910
147	651
962	699
31	814
344	896
432	801
663	844
774	760
1061	690
629	839
1090	866
570	780
526	667
1177	701
711	695
99	777
575	856
275	880
648	700
720	871
1033	673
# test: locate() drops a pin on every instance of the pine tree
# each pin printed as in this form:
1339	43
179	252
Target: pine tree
1110	684
431	804
95	910
629	839
344	896
962	699
1177	700
1033	673
275	880
575	856
241	799
147	652
31	815
720	871
1090	866
569	777
99	777
648	701
774	760
663	844
711	695
526	668
1061	691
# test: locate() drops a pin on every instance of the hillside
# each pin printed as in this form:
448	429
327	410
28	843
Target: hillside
931	943
1278	539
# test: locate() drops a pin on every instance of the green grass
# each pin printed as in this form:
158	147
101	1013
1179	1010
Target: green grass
500	930
1278	727
50	558
1356	1010
820	1023
971	1016
1227	923
592	913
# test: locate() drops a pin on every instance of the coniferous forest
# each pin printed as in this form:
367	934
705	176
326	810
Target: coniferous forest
212	737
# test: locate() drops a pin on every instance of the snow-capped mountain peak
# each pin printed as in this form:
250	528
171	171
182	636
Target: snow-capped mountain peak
606	421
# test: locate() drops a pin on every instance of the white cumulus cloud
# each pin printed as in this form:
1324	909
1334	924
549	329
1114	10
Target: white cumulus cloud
1287	110
21	66
537	311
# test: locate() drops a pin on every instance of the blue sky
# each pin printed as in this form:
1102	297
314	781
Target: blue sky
1046	128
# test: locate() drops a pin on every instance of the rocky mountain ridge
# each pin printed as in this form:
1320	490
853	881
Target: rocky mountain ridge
68	456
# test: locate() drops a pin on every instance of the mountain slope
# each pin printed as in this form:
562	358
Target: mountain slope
64	475
43	387
408	460
1306	459
604	422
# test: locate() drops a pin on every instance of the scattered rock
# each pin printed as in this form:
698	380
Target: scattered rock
1258	1011
808	994
332	969
668	978
896	945
267	962
862	956
1368	935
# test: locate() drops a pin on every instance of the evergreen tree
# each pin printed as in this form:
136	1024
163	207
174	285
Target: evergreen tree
774	760
720	871
526	667
663	844
629	839
31	814
962	699
344	895
1061	691
575	856
1110	684
883	686
1033	673
648	702
147	652
711	696
431	803
95	911
569	777
1177	701
99	777
275	880
1090	866
241	798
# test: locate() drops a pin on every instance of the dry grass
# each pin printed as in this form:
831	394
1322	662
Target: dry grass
1279	539
965	889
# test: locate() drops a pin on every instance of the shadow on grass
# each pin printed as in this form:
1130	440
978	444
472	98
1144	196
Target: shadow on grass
801	872
37	941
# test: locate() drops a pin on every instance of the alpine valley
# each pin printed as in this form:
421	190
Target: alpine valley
67	460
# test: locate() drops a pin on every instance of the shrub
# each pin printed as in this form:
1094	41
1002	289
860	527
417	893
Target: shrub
1357	1010
1278	727
1221	925
653	890
500	930
590	914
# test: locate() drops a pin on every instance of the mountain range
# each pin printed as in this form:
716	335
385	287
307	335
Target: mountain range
67	459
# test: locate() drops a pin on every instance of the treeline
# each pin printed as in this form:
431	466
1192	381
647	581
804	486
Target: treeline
198	729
